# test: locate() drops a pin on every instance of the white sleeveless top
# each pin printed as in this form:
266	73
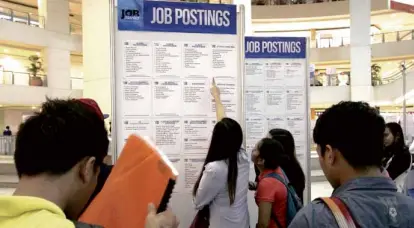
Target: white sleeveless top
213	191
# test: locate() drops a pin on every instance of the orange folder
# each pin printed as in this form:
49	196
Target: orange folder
141	175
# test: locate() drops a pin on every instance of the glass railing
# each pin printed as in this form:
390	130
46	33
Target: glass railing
21	17
22	79
343	79
31	19
378	38
7	145
290	2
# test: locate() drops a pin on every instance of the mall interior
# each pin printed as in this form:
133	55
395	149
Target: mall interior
359	50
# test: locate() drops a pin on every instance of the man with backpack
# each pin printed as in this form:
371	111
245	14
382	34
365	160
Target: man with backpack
350	140
276	199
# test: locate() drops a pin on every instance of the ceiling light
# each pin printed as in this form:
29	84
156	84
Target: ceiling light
33	107
38	53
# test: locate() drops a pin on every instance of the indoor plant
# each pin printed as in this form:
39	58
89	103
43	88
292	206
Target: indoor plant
376	74
34	69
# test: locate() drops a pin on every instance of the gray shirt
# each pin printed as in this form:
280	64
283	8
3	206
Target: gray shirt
372	201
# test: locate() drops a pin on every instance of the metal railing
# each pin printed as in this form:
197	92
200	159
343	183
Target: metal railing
32	19
7	145
22	78
290	2
21	17
378	38
397	75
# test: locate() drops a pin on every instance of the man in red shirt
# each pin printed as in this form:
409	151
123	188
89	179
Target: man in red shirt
271	194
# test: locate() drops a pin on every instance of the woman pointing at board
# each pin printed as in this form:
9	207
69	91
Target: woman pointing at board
220	193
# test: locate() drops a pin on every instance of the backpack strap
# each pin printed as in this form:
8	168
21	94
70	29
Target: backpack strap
283	181
340	211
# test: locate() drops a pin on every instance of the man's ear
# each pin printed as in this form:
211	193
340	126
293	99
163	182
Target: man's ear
330	155
87	169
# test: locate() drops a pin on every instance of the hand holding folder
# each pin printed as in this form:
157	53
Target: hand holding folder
142	175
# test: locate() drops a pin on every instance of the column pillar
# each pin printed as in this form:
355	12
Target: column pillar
54	15
361	87
248	28
57	68
96	52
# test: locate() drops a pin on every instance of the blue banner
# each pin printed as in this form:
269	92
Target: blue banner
156	16
275	47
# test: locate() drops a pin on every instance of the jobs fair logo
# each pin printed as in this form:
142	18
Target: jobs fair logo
130	14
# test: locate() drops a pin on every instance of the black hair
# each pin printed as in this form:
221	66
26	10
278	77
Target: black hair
55	139
225	144
291	166
7	127
271	151
356	130
398	134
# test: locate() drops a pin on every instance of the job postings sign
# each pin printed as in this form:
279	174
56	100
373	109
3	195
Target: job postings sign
275	47
176	17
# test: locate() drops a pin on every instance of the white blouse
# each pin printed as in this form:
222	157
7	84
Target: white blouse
213	191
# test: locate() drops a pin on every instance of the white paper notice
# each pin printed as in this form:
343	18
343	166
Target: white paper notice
197	98
168	135
255	101
197	60
255	130
275	100
141	127
137	97
192	169
276	122
229	98
196	136
255	73
224	60
167	59
274	74
137	59
297	126
295	100
176	161
294	72
167	98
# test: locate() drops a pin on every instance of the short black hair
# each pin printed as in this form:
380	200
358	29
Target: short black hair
7	127
272	152
55	139
355	129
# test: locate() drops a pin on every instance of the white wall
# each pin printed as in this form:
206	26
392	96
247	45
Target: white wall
21	33
32	95
309	10
12	118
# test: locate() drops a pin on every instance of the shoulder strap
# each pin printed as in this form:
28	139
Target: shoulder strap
340	212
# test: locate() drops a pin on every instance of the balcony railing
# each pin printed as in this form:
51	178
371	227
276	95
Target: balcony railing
22	78
290	2
344	79
7	145
378	38
21	17
31	19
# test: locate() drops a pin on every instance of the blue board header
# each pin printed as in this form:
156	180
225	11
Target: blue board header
275	47
156	16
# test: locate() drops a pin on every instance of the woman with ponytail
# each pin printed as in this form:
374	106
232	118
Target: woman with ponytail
221	189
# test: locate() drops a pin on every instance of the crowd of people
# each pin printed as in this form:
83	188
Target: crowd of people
60	160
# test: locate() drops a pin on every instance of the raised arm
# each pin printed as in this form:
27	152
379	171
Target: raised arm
215	92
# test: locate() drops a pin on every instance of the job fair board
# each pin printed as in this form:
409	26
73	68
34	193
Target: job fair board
168	55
